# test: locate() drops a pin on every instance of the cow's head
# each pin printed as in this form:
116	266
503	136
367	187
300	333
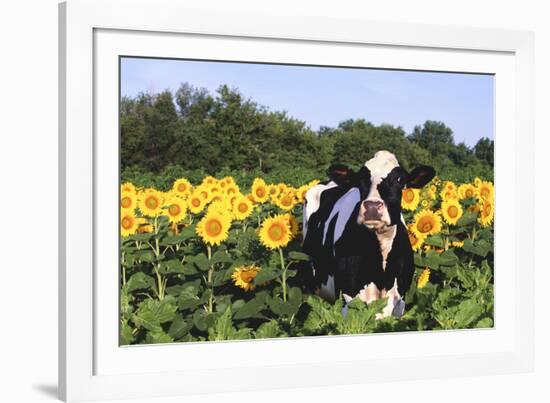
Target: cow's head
381	182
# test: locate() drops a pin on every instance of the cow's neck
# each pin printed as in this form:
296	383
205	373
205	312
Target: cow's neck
385	239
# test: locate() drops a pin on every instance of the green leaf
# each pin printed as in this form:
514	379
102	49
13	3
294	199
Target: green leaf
157	336
152	313
467	218
269	330
468	312
222	329
298	256
250	308
484	323
141	237
126	336
171	266
221	257
201	261
179	328
448	258
265	275
435	240
145	256
139	281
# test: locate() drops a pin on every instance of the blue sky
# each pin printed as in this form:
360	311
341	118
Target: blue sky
323	96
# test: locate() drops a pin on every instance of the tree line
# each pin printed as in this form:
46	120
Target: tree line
194	130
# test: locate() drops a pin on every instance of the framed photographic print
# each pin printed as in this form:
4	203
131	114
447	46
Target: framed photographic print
332	203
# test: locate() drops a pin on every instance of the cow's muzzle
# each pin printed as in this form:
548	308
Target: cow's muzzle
373	210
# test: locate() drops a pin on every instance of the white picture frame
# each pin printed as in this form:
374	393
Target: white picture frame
94	33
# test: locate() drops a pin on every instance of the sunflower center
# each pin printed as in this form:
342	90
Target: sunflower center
452	211
213	227
127	222
126	202
260	192
182	187
469	193
248	276
174	210
151	203
286	201
196	202
243	207
487	209
204	195
425	225
276	232
408	195
484	192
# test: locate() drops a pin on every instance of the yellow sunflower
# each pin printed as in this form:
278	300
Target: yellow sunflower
213	228
259	190
426	222
150	202
415	238
204	192
301	193
477	182
128	201
128	224
275	232
285	201
432	192
221	206
196	203
231	189
209	181
242	207
457	244
451	211
293	224
423	278
273	191
176	210
466	191
144	226
283	187
486	213
229	180
182	187
410	198
244	275
485	191
128	187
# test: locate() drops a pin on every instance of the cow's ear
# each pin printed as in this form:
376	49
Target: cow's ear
341	174
420	176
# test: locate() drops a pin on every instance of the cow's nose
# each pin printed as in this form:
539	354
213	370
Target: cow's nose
373	204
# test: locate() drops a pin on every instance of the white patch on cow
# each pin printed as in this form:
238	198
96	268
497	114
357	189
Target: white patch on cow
381	164
313	201
385	239
395	305
344	208
327	290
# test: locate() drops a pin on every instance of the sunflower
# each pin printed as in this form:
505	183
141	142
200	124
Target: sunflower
209	181
203	192
176	210
426	222
477	182
128	187
128	224
128	201
486	213
221	206
425	203
144	226
273	191
293	224
415	238
244	275
214	227
410	198
259	190
242	207
485	191
423	278
301	193
451	211
195	202
432	192
150	202
283	187
275	232
457	244
231	189
286	201
229	180
466	191
182	187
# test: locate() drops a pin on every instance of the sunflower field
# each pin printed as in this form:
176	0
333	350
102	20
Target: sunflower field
212	261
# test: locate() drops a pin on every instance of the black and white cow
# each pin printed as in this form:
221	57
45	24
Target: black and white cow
355	234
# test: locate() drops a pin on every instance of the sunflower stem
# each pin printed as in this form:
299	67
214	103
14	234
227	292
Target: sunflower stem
123	271
156	266
283	267
210	273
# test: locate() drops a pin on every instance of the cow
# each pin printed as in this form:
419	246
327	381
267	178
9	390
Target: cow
355	234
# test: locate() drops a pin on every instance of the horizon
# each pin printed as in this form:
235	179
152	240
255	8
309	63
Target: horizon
327	96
